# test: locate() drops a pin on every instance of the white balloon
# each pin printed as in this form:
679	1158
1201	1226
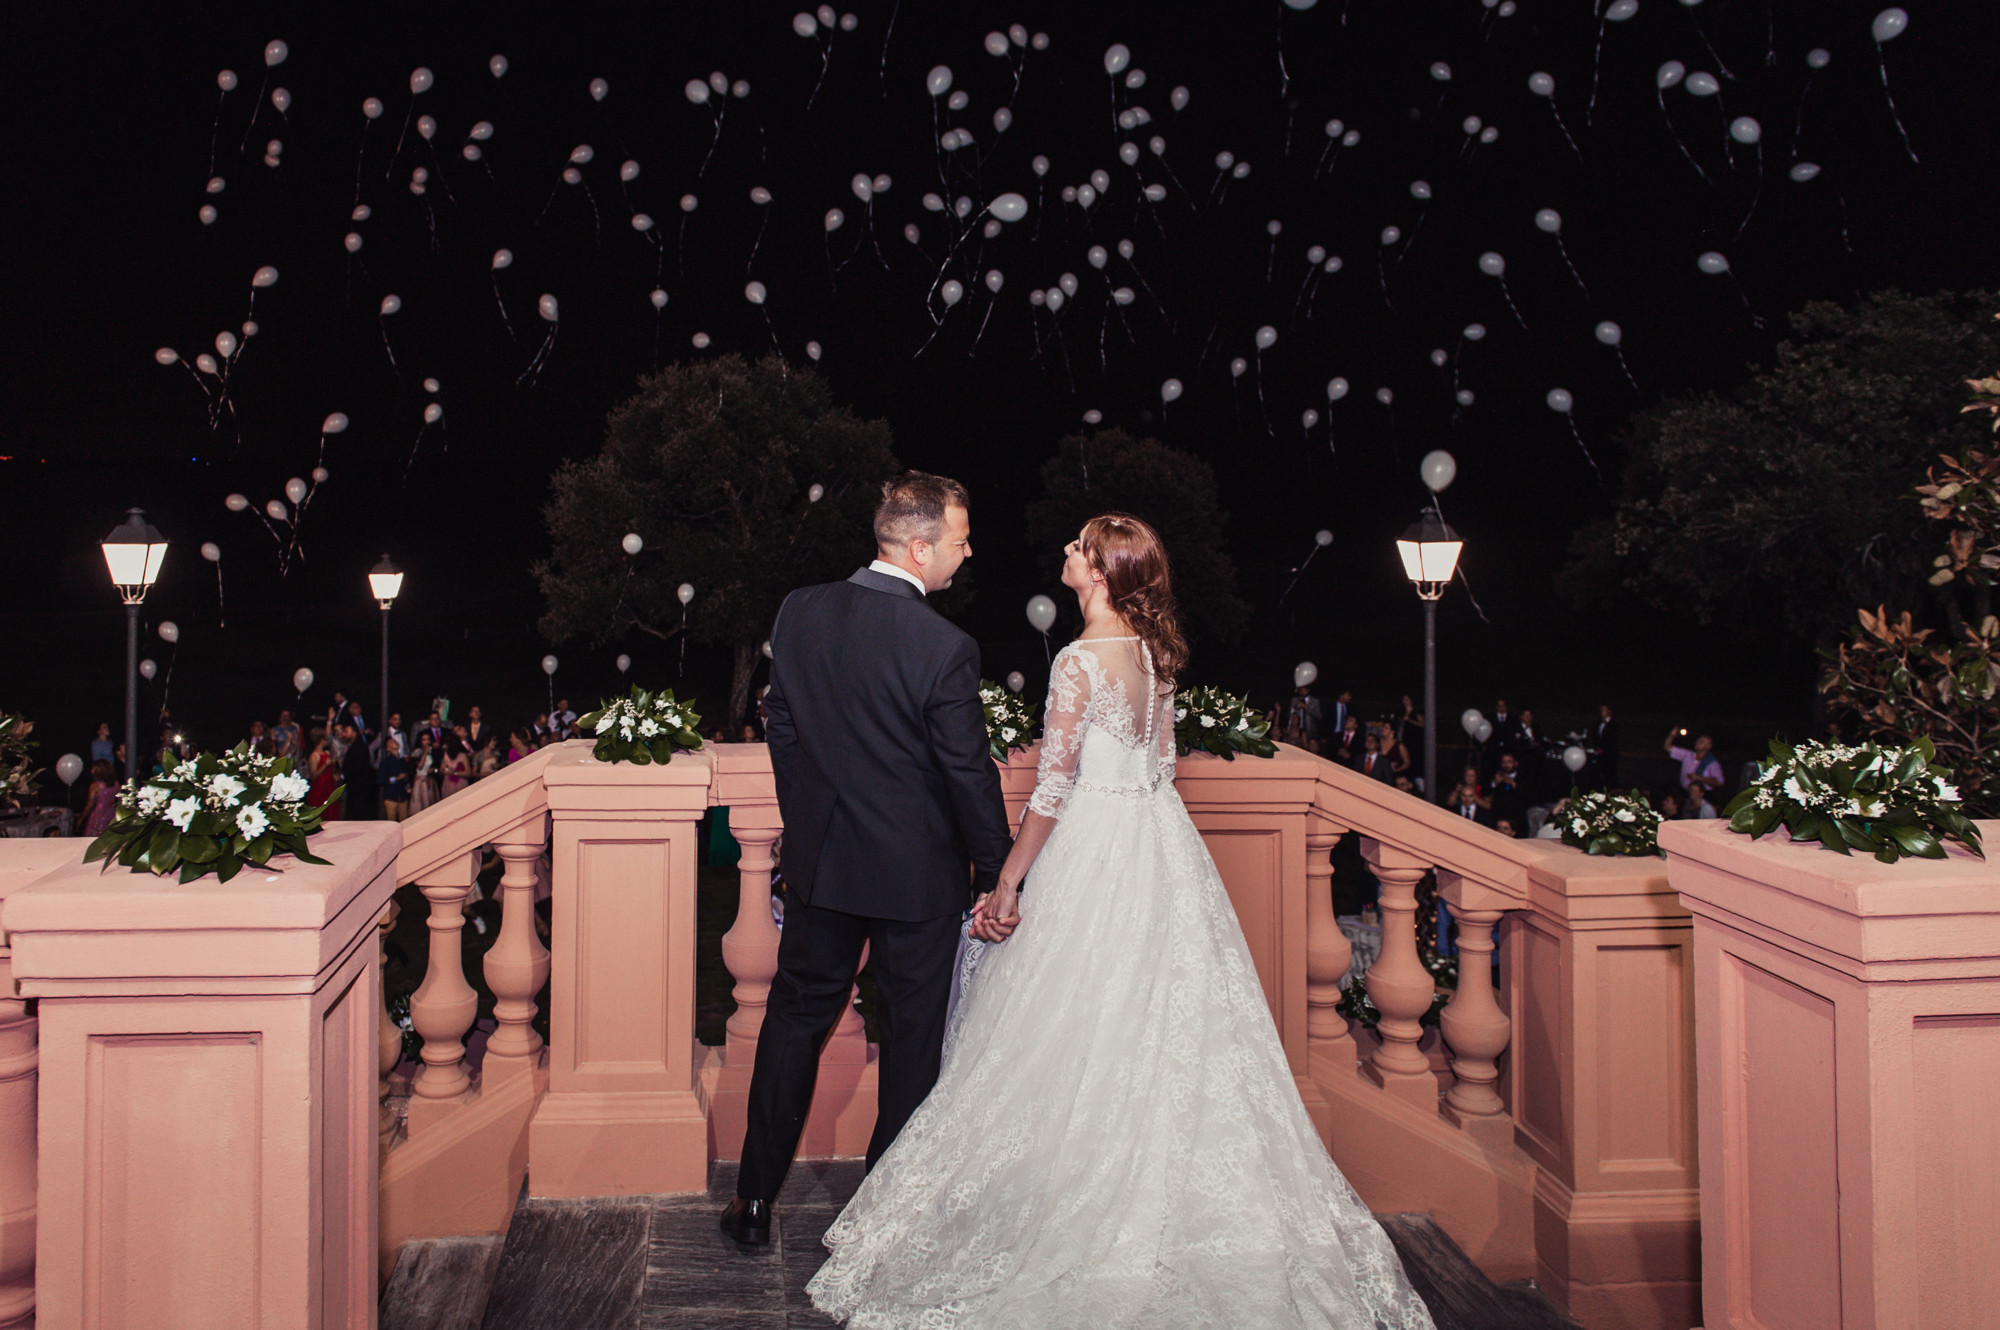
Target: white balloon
236	503
1804	171
813	351
952	292
207	214
624	662
1441	71
302	679
834	219
1178	99
1308	418
1492	264
1304	673
1549	220
264	276
68	767
497	66
1068	283
277	510
689	203
642	222
1560	401
658	297
805	25
147	669
1336	388
1267	337
1086	194
1322	537
295	490
1438	469
1040	165
1703	84
1391	234
599	89
1484	732
1016	681
938	81
996	44
206	364
1889	24
684	592
1574	758
170	631
211	551
995	279
1093	416
433	414
1465	397
547	308
1672	72
1098	256
225	344
548	665
1745	129
1541	84
1041	613
1713	263
1471	720
1385	396
1116	57
502	258
1818	58
815	492
1123	295
319	475
863	187
959	100
583	154
881	184
1474	332
1003	119
754	293
1170	391
1008	207
166	355
1610	333
696	91
225	79
275	53
1621	10
390	304
420	80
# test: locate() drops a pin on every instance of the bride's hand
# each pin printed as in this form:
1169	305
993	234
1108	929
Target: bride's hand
998	913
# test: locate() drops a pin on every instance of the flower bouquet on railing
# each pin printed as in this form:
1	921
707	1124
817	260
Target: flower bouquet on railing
211	814
643	728
1607	822
1010	719
1209	720
1887	801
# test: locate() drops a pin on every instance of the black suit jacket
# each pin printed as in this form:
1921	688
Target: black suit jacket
1606	734
1384	767
878	744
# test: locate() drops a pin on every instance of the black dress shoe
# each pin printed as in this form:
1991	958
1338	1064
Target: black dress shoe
749	1222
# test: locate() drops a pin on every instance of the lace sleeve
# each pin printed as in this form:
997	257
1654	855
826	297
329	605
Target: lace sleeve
1063	726
1164	749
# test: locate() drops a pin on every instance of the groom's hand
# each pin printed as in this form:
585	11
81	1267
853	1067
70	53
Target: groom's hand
997	914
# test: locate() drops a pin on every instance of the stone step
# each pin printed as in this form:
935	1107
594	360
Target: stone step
440	1284
1459	1296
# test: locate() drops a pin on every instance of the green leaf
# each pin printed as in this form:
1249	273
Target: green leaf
228	867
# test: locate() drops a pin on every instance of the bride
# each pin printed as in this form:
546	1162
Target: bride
1115	1139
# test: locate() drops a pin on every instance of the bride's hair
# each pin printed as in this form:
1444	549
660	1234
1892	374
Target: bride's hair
1133	560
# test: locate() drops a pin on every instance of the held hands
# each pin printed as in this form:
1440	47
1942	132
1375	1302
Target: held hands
997	914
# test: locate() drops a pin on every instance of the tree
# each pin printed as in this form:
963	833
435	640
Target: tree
1784	501
1175	492
712	465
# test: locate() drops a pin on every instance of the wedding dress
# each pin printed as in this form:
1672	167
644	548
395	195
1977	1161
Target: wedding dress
1115	1139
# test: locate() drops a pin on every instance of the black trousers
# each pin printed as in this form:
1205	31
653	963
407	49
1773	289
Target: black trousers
819	952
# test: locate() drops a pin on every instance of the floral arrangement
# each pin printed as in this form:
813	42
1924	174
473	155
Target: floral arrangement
1208	720
17	772
643	728
1606	822
211	814
1889	801
1010	719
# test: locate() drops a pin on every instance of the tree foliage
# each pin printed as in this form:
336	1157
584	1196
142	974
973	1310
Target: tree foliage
711	464
1785	501
1173	491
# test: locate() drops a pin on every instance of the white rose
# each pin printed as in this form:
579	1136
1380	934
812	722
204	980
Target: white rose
250	820
181	811
289	788
1208	722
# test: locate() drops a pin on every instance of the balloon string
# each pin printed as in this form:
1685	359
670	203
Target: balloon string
221	609
387	347
1889	97
1596	65
1628	371
1511	305
1565	129
1755	194
825	58
502	306
1720	64
1563	249
1577	434
1660	96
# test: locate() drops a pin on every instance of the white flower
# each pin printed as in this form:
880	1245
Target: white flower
1577	825
1948	793
289	788
1625	815
1208	722
606	721
1180	714
624	729
150	799
1796	792
250	820
1243	724
224	786
1764	799
1008	734
181	811
648	728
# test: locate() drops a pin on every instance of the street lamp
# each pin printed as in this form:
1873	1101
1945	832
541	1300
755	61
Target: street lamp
1430	554
133	552
385	580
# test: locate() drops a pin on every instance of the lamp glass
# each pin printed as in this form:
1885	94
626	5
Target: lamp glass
386	586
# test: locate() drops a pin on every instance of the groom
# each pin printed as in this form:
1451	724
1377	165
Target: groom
893	824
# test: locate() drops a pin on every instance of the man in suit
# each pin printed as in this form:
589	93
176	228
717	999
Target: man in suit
1343	707
1604	738
893	825
1373	762
357	773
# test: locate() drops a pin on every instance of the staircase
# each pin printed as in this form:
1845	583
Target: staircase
660	1263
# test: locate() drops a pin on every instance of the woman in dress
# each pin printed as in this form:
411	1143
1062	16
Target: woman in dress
324	773
100	802
487	760
456	768
1115	1139
423	781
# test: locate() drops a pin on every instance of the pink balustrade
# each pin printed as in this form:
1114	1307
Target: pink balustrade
1548	1121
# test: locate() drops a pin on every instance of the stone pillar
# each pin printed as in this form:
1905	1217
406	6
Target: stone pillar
1398	984
621	1116
517	965
389	1037
443	1007
18	1060
750	947
1473	1024
208	1076
1328	954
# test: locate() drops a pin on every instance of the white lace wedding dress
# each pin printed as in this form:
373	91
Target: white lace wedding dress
1115	1139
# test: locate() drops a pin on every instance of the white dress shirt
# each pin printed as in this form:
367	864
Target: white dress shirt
882	566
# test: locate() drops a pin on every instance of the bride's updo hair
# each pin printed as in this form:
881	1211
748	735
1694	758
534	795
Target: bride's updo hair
1133	560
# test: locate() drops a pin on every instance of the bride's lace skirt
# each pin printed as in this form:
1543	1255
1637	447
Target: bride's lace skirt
1116	1139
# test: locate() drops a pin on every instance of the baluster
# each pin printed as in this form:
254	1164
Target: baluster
19	1063
750	947
516	967
1398	984
389	1037
1328	954
1476	1029
443	1006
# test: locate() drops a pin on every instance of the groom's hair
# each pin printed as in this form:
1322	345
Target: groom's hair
913	505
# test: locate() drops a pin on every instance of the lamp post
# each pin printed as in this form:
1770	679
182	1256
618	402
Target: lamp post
385	580
1429	552
133	553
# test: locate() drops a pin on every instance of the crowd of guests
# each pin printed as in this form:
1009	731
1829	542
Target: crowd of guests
1515	778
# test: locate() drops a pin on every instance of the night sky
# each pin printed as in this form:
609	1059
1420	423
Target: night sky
113	113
